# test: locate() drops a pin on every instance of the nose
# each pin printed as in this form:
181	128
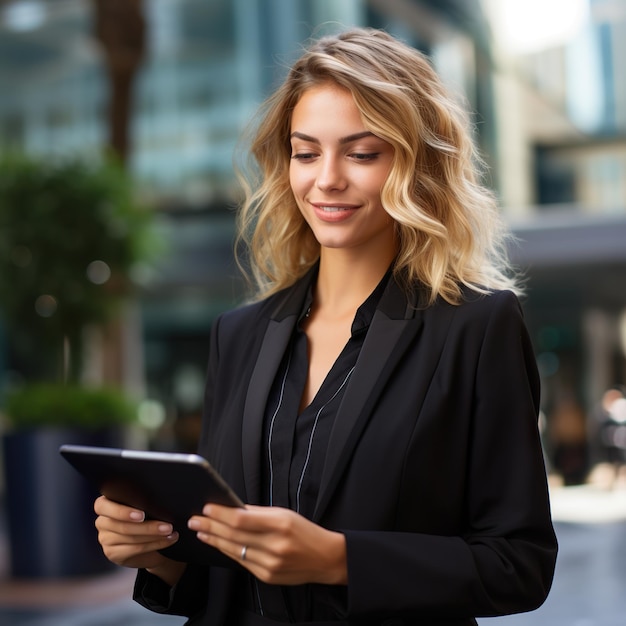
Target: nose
331	176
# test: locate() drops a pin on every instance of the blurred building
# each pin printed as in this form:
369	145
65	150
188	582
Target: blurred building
551	123
562	155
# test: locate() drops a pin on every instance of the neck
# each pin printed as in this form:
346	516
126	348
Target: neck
343	283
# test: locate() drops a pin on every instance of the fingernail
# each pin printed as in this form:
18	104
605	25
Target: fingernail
138	516
166	529
193	524
173	536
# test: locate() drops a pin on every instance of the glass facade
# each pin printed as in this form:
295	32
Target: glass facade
206	67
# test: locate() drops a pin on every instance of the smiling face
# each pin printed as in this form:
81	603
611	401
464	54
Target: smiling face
337	171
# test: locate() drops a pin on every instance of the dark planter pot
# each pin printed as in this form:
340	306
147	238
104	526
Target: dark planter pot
49	506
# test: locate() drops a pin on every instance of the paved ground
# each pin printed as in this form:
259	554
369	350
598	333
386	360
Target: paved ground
118	614
589	587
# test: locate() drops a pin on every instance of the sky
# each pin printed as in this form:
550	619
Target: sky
533	25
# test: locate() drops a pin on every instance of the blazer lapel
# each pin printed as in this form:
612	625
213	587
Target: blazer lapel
395	322
274	345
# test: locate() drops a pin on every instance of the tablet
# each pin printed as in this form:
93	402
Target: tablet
168	486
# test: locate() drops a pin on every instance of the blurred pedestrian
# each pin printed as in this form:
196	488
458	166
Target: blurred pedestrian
568	439
610	424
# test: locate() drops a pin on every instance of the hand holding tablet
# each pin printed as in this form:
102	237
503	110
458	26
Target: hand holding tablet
167	486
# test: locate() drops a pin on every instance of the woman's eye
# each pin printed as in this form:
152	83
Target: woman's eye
365	156
303	156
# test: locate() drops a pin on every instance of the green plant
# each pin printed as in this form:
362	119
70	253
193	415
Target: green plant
35	406
71	232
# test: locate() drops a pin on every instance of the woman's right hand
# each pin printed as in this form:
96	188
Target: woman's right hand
129	540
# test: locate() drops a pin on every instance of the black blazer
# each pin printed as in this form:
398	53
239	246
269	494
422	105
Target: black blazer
434	470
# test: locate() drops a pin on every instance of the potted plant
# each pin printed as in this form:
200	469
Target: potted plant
71	232
50	517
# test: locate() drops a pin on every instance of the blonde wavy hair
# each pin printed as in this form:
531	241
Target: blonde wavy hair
449	228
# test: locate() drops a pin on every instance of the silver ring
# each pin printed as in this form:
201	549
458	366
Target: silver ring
244	550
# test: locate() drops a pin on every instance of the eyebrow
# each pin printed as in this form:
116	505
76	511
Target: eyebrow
343	140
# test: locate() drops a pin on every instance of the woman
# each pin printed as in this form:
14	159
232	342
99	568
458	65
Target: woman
376	407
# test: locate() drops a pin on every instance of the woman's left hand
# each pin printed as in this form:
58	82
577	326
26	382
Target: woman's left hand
281	546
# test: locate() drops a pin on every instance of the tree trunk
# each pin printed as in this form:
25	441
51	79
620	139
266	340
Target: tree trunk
120	28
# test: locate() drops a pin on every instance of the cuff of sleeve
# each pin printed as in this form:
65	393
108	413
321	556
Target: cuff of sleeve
153	593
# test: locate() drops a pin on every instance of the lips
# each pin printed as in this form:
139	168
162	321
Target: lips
335	206
334	212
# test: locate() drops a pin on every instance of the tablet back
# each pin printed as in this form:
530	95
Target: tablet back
167	486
